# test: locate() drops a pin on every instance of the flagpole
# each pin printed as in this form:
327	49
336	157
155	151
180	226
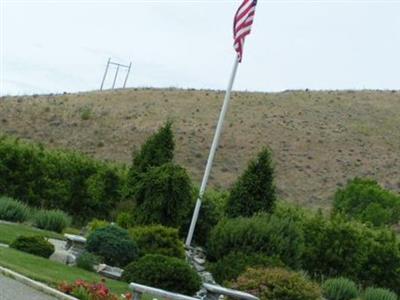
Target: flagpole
213	149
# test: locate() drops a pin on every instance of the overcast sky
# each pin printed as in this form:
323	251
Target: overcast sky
56	46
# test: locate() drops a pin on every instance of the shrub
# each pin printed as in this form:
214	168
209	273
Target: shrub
255	190
158	239
277	284
36	245
96	224
168	273
86	113
125	220
125	206
339	247
264	234
339	289
292	211
54	179
232	265
87	261
378	294
104	188
382	264
53	220
366	201
113	244
211	212
84	290
163	196
334	247
12	210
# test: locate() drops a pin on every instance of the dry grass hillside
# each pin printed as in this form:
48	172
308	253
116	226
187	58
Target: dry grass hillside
319	139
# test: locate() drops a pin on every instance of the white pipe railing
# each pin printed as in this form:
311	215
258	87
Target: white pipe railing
213	292
139	289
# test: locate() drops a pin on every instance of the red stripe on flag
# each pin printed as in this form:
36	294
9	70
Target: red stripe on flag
242	25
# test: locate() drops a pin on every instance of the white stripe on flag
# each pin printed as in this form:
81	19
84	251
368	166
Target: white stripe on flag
246	6
242	20
243	30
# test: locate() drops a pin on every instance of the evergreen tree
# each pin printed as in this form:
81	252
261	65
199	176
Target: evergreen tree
163	196
156	151
255	190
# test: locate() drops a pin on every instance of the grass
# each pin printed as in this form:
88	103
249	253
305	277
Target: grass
9	232
71	230
50	272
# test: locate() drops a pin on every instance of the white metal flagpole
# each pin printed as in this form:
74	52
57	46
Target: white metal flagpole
214	146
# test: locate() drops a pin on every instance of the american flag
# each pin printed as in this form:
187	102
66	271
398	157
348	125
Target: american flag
242	24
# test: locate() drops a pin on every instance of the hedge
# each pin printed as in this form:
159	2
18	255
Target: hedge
264	234
55	179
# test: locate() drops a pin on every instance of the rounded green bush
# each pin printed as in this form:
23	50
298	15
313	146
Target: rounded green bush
13	210
232	265
378	294
113	244
265	234
168	273
87	261
158	239
339	289
53	220
367	201
36	245
277	284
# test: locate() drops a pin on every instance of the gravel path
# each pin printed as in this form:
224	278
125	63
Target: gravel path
13	290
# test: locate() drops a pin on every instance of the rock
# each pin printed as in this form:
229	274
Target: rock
207	277
199	268
63	257
200	261
108	271
75	244
197	259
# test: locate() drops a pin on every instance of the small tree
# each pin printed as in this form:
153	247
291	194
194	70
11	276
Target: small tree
163	196
156	151
255	190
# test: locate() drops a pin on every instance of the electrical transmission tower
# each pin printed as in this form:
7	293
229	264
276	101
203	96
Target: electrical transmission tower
109	62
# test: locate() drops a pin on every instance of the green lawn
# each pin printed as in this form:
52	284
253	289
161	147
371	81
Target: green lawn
9	232
50	272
